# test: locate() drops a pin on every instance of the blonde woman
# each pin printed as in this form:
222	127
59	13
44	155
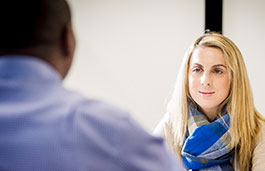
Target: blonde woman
211	121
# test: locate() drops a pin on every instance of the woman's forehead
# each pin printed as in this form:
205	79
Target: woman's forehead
207	56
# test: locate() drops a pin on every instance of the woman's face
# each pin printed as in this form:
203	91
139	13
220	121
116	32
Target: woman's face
208	79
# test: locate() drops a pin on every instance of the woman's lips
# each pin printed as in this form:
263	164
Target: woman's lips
206	93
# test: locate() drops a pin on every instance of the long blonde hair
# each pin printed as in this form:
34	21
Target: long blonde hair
246	121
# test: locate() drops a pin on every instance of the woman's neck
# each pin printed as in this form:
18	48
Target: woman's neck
211	114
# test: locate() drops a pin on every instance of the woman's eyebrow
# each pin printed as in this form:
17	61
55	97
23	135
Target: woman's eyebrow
197	64
219	65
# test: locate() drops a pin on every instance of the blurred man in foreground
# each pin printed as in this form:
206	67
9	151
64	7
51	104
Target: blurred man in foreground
45	127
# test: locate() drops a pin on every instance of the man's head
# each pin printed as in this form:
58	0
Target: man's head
40	28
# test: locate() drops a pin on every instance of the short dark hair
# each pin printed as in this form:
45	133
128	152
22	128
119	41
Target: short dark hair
28	23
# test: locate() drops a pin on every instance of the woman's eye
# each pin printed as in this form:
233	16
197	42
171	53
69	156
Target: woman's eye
217	71
196	70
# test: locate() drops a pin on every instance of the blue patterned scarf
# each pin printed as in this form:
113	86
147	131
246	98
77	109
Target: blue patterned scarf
208	145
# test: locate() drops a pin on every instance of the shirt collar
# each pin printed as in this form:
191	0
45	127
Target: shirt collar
27	68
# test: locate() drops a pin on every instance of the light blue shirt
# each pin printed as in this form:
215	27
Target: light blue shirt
45	127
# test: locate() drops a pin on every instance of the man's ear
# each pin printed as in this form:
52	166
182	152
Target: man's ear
68	41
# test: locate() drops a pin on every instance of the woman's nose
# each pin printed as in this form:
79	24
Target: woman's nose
206	79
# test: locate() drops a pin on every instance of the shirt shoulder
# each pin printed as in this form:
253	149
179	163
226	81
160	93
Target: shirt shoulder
160	129
126	145
259	152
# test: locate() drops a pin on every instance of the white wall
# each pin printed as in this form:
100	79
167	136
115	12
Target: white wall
128	51
244	23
